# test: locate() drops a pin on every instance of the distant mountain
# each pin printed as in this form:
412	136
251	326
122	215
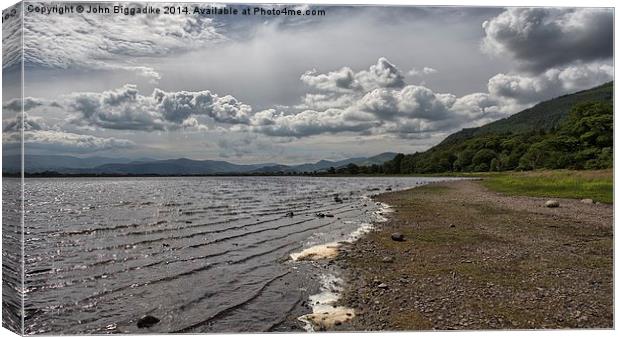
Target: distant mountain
181	166
324	165
40	163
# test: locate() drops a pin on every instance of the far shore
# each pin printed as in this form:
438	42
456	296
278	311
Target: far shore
473	258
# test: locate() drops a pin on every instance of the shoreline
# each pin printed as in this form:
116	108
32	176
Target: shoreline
475	259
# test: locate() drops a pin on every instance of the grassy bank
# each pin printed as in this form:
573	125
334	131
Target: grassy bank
596	185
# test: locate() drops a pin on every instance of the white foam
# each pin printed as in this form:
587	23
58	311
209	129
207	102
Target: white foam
318	252
324	314
359	232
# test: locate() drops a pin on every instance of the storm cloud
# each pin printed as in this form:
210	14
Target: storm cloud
543	38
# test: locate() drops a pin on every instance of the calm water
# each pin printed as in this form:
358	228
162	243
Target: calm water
204	254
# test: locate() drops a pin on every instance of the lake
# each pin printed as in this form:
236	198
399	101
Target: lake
202	254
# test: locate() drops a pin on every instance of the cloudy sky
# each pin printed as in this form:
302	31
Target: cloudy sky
247	89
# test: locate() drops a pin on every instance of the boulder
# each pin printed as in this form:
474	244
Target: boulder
290	214
398	236
382	286
147	321
388	259
552	203
587	201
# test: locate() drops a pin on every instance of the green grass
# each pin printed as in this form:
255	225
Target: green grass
596	185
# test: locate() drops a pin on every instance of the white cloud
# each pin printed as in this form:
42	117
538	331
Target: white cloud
342	80
376	101
421	72
37	135
553	82
126	109
11	36
383	74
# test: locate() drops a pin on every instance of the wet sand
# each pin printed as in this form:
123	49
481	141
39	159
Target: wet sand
475	259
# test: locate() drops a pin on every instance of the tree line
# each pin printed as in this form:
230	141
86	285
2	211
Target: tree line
583	141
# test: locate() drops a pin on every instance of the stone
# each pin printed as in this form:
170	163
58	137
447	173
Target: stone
552	203
290	214
147	321
398	236
382	286
587	201
388	259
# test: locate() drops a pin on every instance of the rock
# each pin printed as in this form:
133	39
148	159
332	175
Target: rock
337	198
290	214
387	259
587	201
329	215
398	236
452	226
320	215
388	189
147	321
382	286
552	203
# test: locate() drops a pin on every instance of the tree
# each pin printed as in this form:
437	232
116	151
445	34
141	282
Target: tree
483	156
495	165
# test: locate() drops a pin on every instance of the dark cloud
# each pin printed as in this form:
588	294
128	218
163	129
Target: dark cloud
28	103
543	38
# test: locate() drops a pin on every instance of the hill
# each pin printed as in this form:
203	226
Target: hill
573	131
546	115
